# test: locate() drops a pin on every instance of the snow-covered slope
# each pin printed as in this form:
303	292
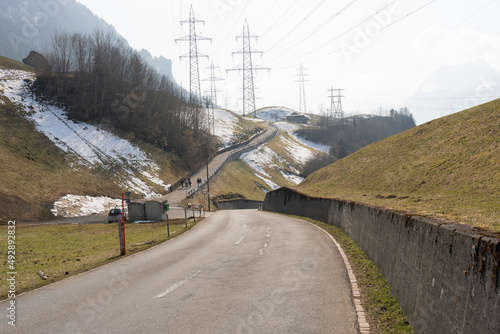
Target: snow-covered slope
228	126
290	128
278	162
89	145
273	114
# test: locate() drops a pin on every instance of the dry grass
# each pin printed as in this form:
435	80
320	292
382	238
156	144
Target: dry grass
63	250
238	177
448	168
15	65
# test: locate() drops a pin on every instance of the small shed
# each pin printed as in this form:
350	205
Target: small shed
136	211
155	210
297	118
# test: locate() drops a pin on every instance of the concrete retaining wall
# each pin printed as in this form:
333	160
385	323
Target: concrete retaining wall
445	276
237	204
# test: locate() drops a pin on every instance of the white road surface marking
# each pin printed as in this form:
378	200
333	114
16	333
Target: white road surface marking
268	235
239	241
176	285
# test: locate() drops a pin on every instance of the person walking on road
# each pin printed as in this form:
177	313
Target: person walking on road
188	182
182	182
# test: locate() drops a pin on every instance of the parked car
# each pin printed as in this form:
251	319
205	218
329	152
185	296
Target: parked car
115	215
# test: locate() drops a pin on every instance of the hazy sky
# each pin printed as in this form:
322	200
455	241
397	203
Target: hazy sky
379	51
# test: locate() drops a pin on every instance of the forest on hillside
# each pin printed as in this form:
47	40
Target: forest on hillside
346	136
98	78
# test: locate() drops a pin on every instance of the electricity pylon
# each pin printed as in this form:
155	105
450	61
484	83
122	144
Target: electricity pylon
302	89
193	55
336	104
213	95
248	68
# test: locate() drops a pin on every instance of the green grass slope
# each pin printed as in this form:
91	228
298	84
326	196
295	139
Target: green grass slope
14	64
447	168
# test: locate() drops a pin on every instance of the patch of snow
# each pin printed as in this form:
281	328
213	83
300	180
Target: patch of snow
300	153
225	125
259	158
287	126
311	144
290	128
77	206
290	177
270	183
273	114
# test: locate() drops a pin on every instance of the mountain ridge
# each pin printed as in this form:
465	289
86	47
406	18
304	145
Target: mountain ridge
30	24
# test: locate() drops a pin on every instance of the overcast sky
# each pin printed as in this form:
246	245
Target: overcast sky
378	51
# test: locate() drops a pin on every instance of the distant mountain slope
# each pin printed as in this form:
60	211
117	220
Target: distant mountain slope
30	24
449	167
454	88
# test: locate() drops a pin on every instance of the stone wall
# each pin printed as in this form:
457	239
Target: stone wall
237	204
444	275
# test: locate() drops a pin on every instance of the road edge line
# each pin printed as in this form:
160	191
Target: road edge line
363	326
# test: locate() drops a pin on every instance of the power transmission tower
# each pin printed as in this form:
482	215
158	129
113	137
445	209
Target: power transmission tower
302	89
248	68
336	104
193	55
213	95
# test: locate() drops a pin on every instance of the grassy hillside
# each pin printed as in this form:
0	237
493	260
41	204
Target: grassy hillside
15	65
449	168
238	177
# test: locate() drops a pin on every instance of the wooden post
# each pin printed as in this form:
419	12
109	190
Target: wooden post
168	227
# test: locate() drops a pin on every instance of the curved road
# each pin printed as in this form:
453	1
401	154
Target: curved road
175	197
236	272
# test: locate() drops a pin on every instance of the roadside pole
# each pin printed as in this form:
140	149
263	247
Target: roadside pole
208	180
166	208
185	209
121	229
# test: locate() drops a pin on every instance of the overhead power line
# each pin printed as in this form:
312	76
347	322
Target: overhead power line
193	55
248	69
302	89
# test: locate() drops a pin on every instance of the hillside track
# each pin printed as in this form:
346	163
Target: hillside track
178	195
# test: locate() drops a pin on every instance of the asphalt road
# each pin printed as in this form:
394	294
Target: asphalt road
241	271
